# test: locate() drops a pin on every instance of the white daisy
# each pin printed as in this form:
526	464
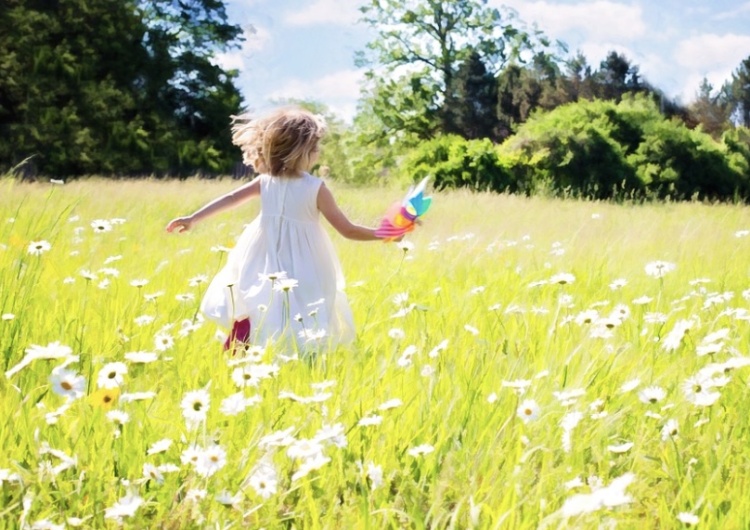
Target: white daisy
112	375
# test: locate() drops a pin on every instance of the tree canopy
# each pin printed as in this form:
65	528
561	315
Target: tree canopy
116	86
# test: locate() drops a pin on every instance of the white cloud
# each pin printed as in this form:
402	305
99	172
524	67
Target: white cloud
339	91
599	20
728	15
256	40
712	52
339	12
712	56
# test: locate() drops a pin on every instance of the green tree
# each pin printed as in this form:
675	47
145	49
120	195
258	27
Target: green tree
429	40
709	110
103	86
738	94
473	115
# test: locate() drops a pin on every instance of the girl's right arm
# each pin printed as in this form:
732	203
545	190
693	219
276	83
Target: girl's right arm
338	219
225	202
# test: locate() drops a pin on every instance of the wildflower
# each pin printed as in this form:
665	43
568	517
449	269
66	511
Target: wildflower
195	406
310	464
67	383
277	439
621	448
272	276
643	300
37	248
212	460
670	430
674	338
137	396
264	481
101	225
602	497
434	352
405	246
619	283
658	269
197	280
144	320
396	333
104	397
53	350
159	446
112	375
141	282
237	403
420	450
368	421
118	417
698	391
304	449
163	341
141	357
652	394
153	296
185	297
124	507
391	404
333	434
286	285
374	475
7	316
471	329
151	472
562	278
688	518
528	410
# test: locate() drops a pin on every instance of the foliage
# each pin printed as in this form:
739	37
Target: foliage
587	349
737	93
421	45
603	149
455	162
116	87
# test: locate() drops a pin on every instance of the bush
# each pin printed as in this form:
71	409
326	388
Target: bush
603	149
455	162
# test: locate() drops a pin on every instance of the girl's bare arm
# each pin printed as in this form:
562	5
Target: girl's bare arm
338	219
225	202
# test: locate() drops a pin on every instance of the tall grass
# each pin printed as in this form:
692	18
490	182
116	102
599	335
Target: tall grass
485	275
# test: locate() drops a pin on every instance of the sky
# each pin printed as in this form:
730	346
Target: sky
305	48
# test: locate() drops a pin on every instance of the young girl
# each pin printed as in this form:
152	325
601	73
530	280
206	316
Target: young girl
282	280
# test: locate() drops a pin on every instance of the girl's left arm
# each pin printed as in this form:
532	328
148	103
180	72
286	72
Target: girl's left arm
225	202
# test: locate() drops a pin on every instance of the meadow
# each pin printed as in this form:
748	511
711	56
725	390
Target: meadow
519	363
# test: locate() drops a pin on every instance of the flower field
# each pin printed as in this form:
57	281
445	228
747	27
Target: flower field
519	363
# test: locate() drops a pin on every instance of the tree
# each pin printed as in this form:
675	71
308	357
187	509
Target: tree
473	114
616	76
738	94
114	86
430	39
709	110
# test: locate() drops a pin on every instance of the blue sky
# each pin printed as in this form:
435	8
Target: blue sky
305	48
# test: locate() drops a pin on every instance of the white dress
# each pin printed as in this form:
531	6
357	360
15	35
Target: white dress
285	237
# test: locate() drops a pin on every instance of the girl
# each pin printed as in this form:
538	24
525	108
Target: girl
282	280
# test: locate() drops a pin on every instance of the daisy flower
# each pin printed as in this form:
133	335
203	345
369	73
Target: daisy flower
112	375
658	269
195	406
67	383
528	410
37	248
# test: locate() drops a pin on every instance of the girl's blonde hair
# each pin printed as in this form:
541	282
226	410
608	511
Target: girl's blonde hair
280	143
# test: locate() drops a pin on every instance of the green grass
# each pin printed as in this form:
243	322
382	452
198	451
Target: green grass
469	277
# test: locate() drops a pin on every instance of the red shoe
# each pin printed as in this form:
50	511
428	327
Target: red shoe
240	333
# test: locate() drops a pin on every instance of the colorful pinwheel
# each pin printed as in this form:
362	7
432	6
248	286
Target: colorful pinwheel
403	216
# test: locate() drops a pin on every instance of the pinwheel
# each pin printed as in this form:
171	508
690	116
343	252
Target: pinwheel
403	216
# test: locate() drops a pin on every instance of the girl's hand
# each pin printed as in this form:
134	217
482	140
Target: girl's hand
181	224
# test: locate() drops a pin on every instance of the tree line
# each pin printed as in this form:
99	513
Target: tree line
131	87
122	87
